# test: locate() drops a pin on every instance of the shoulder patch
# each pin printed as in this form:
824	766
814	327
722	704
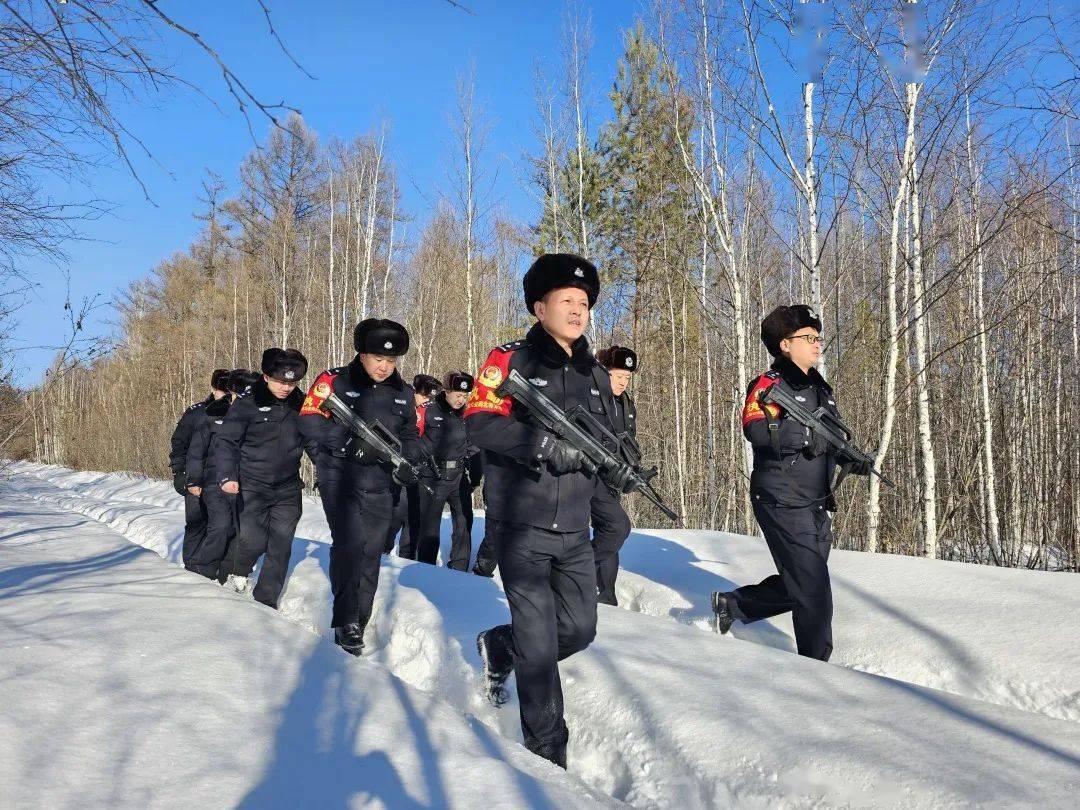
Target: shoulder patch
320	390
483	399
514	344
754	409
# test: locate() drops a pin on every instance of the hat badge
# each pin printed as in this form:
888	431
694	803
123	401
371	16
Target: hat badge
290	375
462	385
629	362
388	345
579	272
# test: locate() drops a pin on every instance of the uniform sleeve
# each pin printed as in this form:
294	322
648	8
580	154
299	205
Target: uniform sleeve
229	439
757	415
410	435
196	454
489	419
181	438
429	432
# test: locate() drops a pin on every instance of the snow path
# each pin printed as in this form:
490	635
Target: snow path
661	713
1000	635
132	684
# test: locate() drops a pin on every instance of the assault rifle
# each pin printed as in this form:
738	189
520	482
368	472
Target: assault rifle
578	428
385	445
824	424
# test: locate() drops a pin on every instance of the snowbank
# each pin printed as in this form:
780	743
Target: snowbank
665	714
132	684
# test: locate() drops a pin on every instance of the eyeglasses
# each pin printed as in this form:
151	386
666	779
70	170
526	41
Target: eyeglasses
813	340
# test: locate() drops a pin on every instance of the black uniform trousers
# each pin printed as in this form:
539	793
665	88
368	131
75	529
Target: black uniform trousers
799	540
487	556
550	583
194	527
222	512
405	519
611	527
267	526
447	491
359	520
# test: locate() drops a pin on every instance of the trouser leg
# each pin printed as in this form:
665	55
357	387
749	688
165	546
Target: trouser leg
487	556
194	526
409	525
220	528
549	579
430	509
358	524
284	514
461	531
611	527
397	519
799	541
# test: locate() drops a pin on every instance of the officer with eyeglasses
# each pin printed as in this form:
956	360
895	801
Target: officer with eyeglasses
790	488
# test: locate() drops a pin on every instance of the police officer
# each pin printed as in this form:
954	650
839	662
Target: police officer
611	525
194	510
790	488
538	497
442	437
202	478
406	501
258	452
355	485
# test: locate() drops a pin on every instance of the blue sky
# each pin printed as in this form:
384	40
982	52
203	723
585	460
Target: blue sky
373	61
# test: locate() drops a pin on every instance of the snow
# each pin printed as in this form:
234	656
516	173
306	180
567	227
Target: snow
662	712
131	683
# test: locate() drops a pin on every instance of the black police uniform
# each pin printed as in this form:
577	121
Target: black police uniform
405	516
540	521
442	438
355	487
260	446
791	494
194	509
611	524
221	508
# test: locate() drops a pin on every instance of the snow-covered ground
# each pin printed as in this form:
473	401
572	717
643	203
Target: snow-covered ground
662	712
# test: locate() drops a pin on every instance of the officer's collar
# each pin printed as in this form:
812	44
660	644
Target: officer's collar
550	348
360	377
796	377
263	397
440	401
219	407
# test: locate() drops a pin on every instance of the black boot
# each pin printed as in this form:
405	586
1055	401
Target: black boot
350	637
723	612
496	648
484	568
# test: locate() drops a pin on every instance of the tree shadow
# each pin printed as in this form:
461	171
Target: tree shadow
674	566
25	579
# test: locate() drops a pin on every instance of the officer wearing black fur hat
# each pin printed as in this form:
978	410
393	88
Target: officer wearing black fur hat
791	489
194	510
442	437
258	452
355	486
538	497
222	508
611	525
406	517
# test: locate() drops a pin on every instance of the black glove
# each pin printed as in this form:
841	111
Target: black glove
855	466
179	482
567	459
404	476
